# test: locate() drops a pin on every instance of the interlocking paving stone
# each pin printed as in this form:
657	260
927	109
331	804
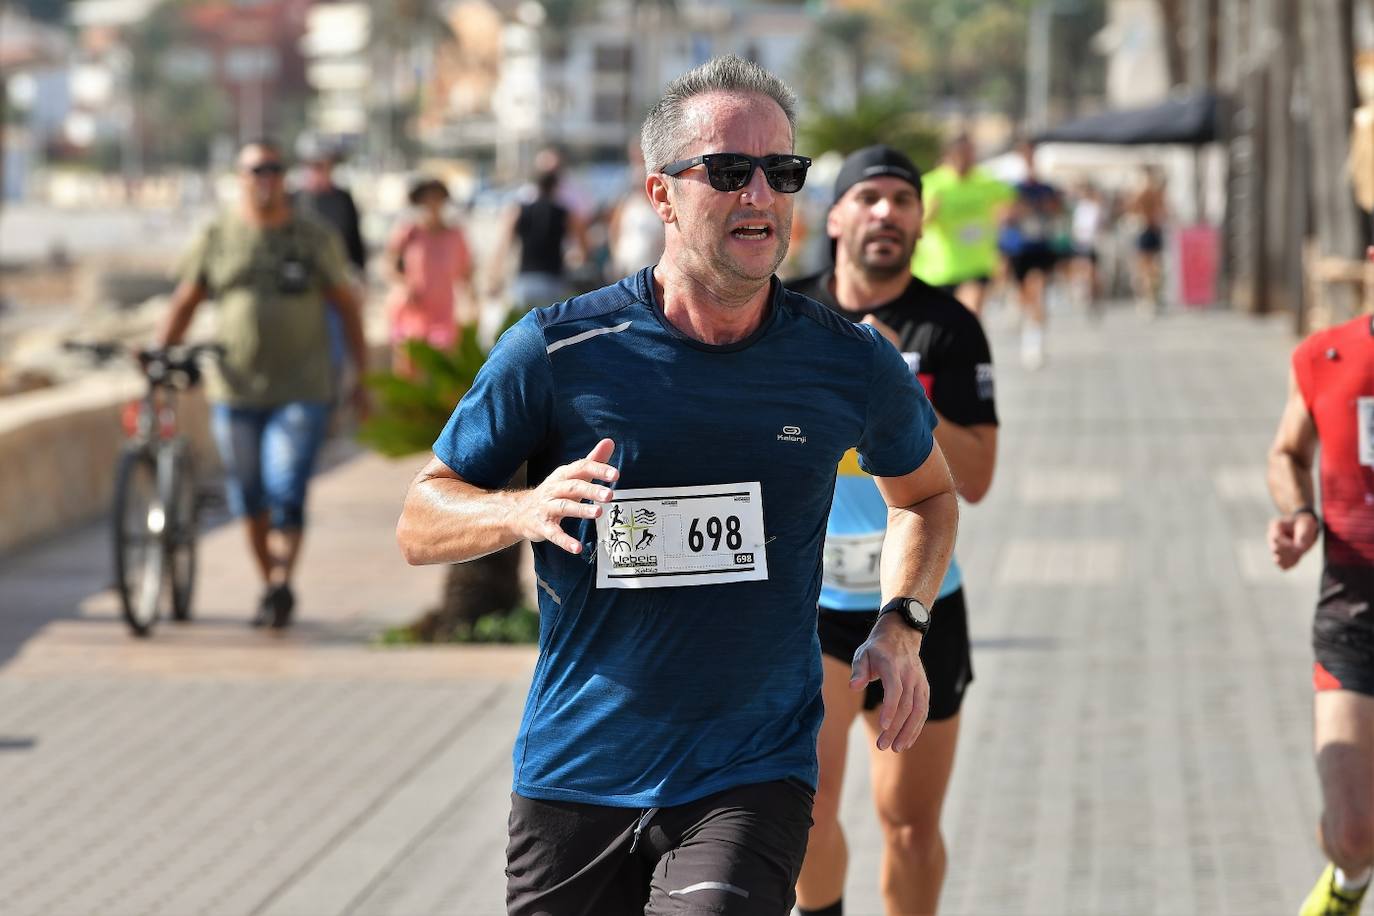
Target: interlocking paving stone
1069	485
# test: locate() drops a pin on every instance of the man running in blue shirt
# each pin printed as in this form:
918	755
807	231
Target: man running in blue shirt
682	429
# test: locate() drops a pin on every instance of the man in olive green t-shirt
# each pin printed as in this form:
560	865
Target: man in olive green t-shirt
958	247
273	274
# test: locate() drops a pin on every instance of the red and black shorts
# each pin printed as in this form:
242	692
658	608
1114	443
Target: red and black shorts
1343	632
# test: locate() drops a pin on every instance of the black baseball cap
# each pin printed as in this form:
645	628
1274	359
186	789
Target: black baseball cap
875	161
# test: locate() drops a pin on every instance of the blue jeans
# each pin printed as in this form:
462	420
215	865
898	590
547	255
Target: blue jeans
268	455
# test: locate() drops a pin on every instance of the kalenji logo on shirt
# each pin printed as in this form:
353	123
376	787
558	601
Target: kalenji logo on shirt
791	434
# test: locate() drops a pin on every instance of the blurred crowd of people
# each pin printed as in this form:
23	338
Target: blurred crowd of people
982	234
983	238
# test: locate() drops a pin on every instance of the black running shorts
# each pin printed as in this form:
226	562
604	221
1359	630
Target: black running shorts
1031	260
735	853
944	651
1150	240
1343	631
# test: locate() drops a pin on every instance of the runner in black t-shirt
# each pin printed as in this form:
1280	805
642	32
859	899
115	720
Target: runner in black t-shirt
876	221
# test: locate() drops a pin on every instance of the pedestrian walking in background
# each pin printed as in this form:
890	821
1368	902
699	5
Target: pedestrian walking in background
430	268
274	274
634	231
550	238
666	760
1028	239
1088	221
1150	209
1331	406
876	220
321	197
963	205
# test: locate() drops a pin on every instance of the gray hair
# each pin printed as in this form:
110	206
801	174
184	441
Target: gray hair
662	134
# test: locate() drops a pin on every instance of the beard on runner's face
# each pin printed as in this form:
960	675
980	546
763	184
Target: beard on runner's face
883	250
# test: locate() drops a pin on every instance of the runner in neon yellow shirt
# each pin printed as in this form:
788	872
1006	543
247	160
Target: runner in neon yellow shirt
958	248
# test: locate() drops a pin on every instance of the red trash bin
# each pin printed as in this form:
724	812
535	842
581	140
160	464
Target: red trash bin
1198	249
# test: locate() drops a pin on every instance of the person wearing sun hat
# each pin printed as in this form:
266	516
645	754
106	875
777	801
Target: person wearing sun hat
429	263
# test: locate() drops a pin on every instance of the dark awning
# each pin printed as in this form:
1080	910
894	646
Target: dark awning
1193	119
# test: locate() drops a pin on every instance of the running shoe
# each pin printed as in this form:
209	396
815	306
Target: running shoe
264	615
1328	900
283	602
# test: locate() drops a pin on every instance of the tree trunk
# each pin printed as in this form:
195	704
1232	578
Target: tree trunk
1282	246
487	585
4	116
1328	63
1171	14
1327	28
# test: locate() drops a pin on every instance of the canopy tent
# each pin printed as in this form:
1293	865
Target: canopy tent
1191	120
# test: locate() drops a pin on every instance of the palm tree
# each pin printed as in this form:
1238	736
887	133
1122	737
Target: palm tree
410	413
888	118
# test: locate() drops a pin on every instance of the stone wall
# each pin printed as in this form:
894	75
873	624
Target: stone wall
58	449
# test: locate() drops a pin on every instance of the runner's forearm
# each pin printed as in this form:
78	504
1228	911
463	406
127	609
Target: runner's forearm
451	521
918	547
972	454
1290	481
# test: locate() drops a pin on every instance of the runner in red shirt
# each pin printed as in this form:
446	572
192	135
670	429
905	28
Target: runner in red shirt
1331	404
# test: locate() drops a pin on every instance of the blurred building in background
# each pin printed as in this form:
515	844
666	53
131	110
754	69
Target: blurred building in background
138	90
533	76
34	66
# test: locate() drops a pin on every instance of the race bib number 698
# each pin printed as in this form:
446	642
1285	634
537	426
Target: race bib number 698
670	536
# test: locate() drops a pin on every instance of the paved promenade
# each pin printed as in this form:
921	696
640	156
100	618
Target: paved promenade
1136	742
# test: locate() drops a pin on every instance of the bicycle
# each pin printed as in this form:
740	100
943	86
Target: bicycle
155	512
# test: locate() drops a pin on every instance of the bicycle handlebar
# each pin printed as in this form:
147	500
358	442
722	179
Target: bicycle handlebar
160	364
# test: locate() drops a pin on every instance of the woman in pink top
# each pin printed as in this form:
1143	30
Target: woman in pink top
428	260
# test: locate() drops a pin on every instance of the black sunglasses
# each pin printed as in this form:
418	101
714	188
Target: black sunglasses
732	171
267	168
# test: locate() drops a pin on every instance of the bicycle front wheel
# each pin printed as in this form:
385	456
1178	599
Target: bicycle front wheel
140	524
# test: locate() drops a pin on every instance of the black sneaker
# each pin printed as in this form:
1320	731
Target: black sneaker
264	615
283	602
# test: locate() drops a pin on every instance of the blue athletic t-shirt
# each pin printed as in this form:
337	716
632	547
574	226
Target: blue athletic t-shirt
660	696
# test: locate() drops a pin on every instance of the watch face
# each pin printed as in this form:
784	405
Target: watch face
916	612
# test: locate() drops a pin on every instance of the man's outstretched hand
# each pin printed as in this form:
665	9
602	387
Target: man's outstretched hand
540	511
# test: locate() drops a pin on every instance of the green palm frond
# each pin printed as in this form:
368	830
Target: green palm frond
409	412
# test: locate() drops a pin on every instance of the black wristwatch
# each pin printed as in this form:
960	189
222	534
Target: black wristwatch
913	613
